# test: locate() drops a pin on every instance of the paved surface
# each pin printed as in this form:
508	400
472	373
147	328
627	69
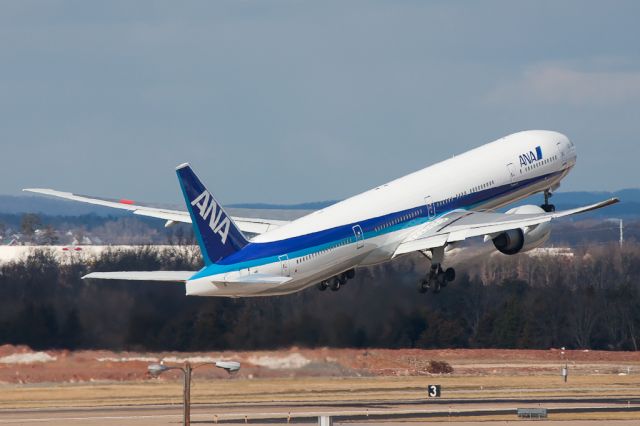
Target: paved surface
389	413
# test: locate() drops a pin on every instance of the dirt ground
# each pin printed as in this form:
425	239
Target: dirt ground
21	365
104	387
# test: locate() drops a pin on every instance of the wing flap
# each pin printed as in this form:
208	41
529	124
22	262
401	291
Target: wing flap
257	226
171	215
421	244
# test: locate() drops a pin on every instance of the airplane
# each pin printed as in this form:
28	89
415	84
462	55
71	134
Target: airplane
428	211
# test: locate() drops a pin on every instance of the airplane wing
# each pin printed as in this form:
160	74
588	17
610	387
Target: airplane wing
250	225
462	224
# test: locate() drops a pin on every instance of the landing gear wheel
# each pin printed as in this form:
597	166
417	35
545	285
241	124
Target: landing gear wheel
546	206
449	275
334	284
437	279
323	286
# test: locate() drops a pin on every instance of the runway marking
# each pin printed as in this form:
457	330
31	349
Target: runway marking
82	419
272	415
230	416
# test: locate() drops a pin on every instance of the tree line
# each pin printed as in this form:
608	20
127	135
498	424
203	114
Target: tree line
39	229
589	300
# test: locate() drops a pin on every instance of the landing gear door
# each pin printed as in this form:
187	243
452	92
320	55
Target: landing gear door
431	209
284	265
512	173
357	232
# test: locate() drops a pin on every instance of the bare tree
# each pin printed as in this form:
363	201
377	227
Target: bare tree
49	236
30	222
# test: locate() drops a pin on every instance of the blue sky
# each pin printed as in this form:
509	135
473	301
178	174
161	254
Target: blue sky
291	101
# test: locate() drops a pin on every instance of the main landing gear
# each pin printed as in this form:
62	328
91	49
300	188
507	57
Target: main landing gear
337	282
546	206
437	277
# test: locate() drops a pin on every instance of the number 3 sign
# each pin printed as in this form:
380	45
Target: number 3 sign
433	391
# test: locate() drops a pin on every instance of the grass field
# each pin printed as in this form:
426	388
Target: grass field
300	390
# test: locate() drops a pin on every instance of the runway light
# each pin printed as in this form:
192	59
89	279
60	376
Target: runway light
230	366
157	369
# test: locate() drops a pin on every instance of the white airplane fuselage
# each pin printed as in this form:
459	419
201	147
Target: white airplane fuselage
367	229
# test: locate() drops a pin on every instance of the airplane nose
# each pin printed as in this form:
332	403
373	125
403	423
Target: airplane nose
571	149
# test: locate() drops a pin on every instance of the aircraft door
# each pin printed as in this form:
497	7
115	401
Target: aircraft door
284	265
512	173
357	232
431	209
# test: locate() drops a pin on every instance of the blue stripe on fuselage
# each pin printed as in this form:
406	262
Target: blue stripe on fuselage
257	254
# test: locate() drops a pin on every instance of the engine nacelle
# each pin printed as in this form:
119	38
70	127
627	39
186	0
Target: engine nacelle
520	240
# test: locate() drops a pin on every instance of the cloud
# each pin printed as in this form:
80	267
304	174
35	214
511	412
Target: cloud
560	85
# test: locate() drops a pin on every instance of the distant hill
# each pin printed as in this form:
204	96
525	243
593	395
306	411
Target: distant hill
629	205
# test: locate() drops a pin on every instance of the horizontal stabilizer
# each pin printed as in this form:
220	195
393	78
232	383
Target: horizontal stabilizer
166	276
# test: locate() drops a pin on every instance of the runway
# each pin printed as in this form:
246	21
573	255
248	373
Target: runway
373	412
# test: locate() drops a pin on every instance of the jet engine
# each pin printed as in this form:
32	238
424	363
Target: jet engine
520	240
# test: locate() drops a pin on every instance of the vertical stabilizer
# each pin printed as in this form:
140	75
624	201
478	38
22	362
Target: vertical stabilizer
217	235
